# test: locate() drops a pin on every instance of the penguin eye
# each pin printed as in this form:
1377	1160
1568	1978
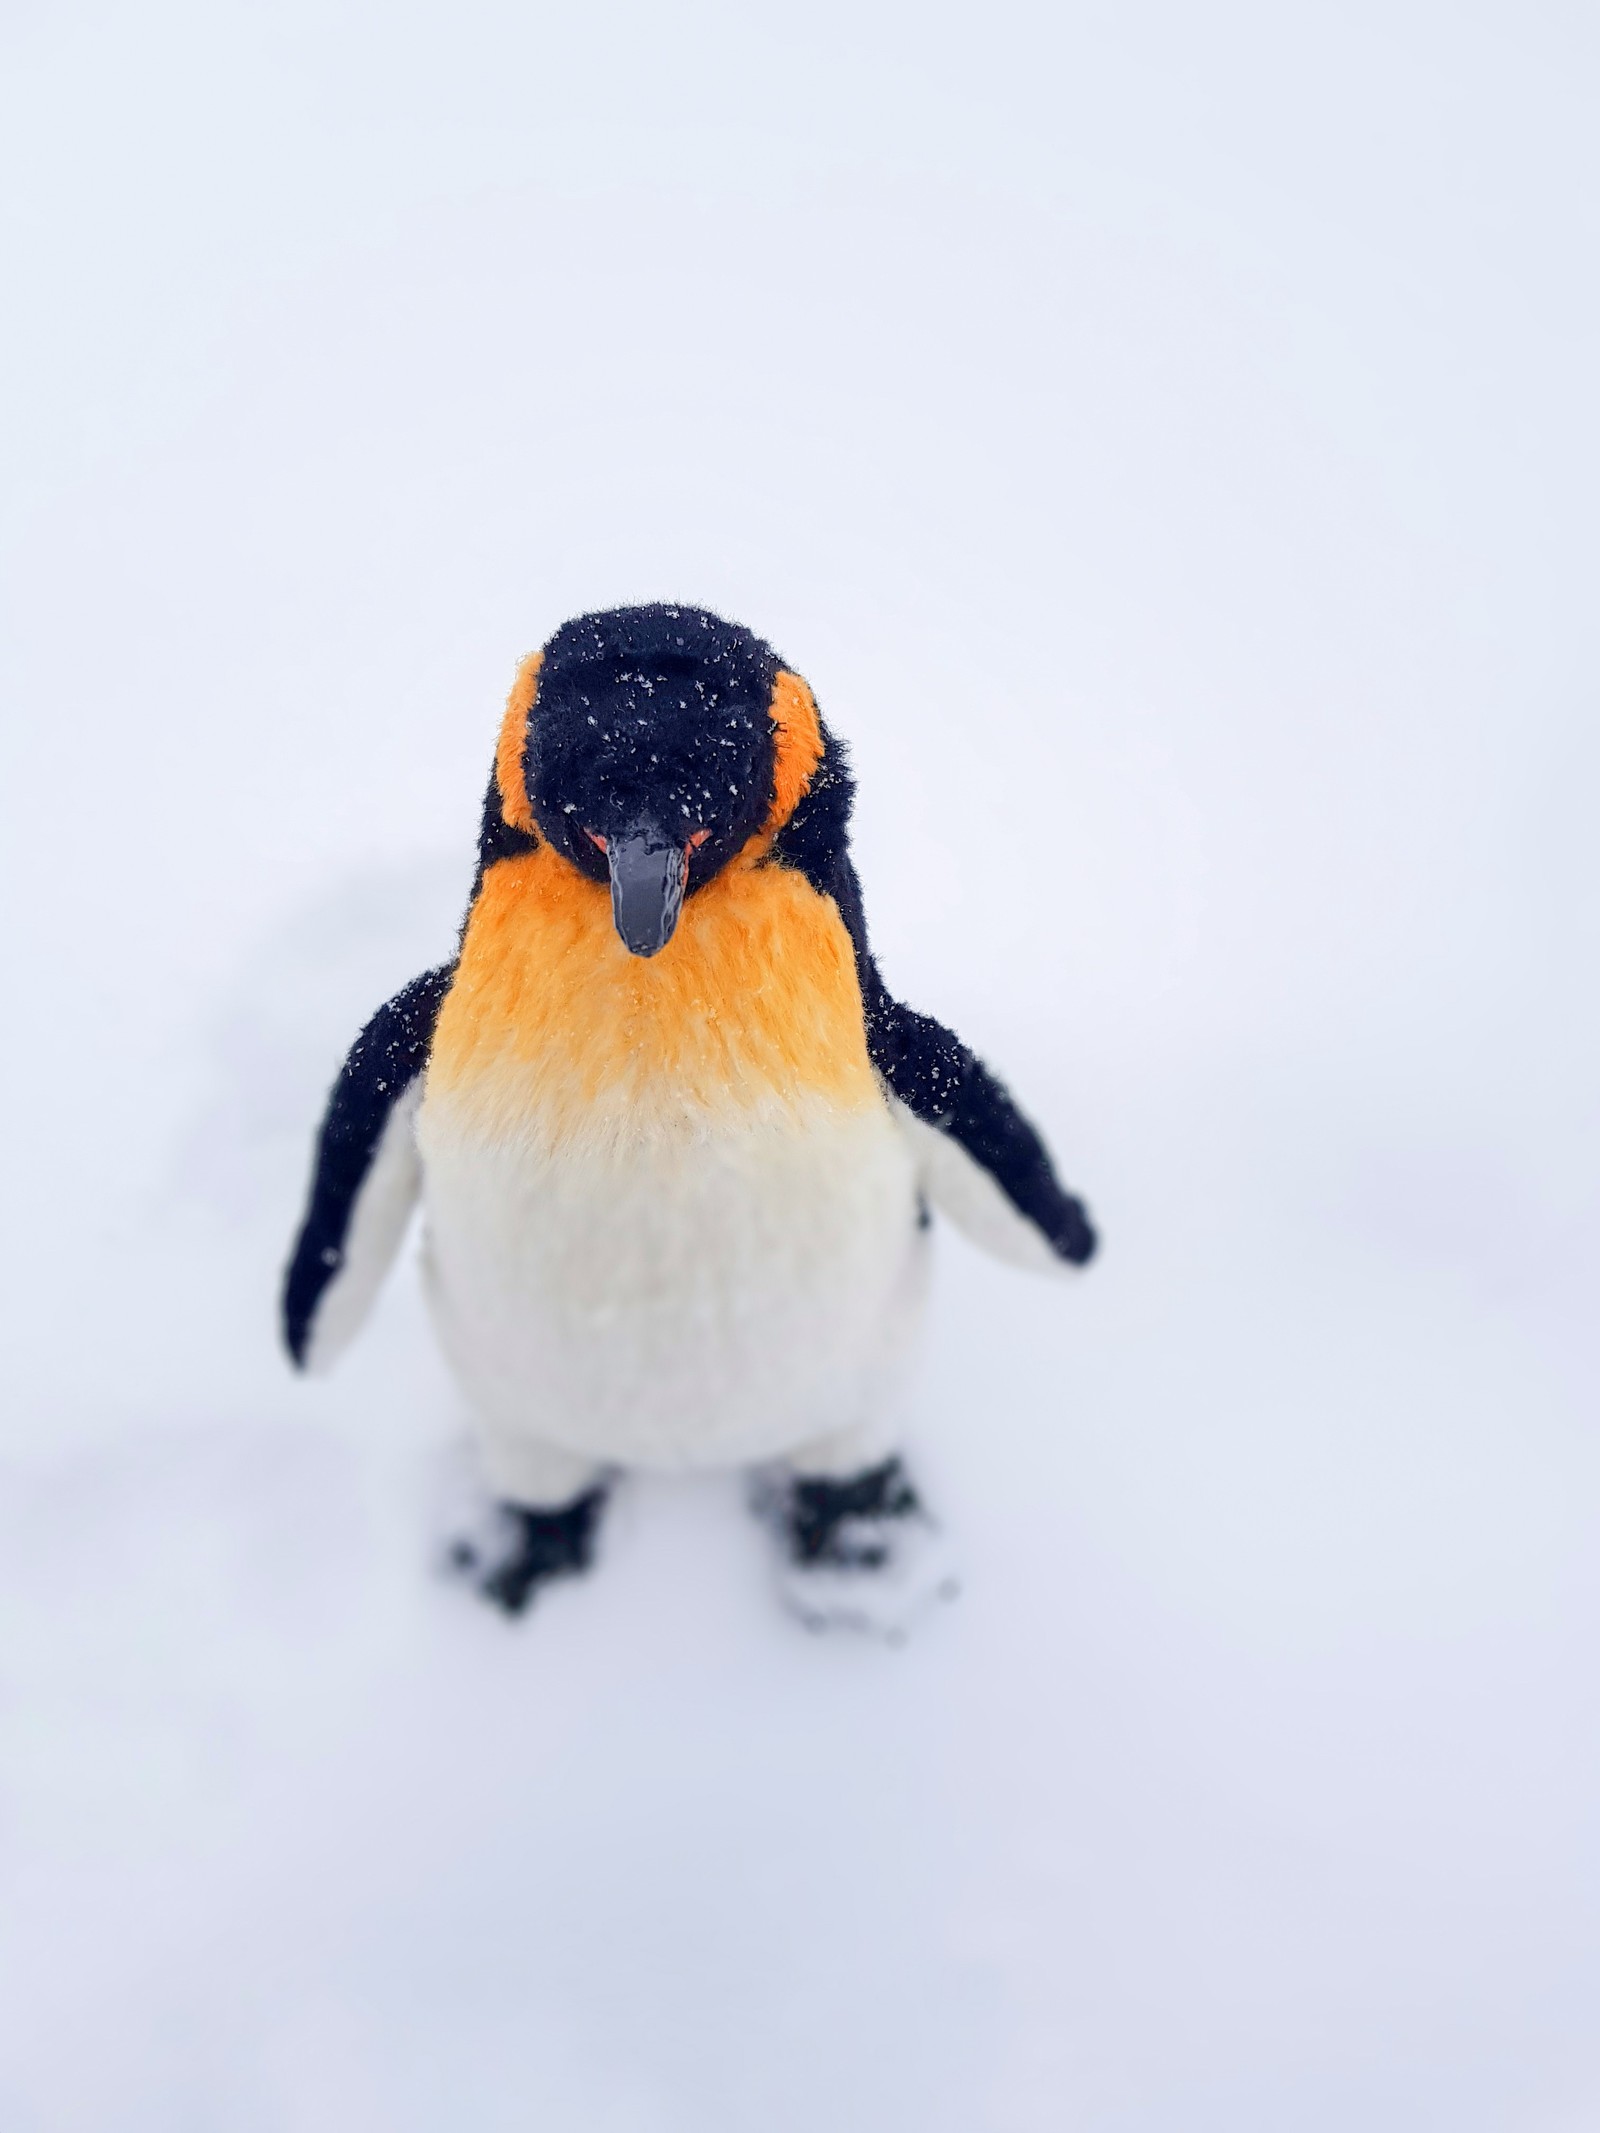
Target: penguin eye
596	839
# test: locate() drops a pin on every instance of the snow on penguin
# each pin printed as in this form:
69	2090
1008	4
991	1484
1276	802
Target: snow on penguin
675	1142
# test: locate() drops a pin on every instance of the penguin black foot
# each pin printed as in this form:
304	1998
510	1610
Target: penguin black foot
525	1550
860	1553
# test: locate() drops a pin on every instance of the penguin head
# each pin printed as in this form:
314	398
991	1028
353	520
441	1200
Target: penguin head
643	745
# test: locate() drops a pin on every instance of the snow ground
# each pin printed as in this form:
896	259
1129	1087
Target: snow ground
1167	443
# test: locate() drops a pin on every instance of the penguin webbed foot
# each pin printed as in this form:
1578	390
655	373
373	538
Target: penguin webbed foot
858	1553
526	1549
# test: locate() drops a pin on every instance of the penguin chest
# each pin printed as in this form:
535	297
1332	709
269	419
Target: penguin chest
670	1213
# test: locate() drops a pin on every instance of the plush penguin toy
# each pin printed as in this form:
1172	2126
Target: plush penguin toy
675	1143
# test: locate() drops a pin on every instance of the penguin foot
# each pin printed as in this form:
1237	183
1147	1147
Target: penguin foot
520	1550
859	1554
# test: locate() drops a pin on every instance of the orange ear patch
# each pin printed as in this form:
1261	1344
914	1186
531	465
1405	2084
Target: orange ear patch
798	748
512	744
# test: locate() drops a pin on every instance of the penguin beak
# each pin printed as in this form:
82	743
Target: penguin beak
648	872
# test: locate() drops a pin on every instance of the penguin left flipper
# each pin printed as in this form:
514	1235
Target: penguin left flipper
366	1177
980	1160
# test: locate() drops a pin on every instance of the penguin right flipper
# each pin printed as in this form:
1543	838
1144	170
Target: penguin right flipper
366	1177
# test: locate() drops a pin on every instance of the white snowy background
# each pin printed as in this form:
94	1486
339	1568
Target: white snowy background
1166	438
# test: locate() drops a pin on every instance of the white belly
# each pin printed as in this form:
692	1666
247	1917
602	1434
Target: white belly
711	1290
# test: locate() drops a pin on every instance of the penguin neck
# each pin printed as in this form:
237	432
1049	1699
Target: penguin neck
550	1024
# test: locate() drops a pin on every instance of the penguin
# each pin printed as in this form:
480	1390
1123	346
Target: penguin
677	1146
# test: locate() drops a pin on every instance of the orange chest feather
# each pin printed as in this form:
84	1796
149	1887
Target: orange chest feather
755	997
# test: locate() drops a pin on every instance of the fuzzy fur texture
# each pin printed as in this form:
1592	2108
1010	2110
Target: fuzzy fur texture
961	1189
385	1063
551	1023
671	1220
511	785
675	1202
